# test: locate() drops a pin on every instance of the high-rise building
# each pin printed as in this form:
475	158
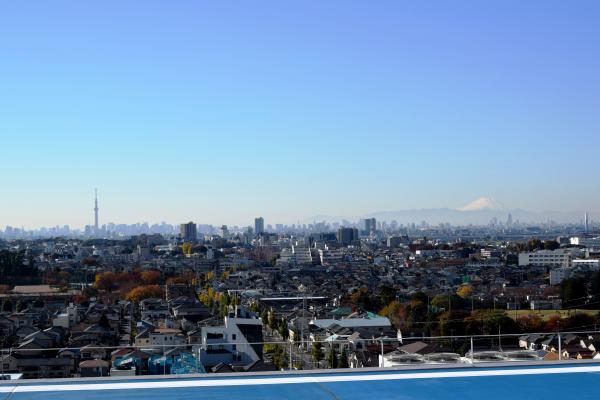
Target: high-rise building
586	223
370	225
188	232
259	225
96	227
347	236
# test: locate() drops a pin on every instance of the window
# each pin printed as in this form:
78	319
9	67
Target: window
233	336
234	347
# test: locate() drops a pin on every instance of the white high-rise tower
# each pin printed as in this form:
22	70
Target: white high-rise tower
96	228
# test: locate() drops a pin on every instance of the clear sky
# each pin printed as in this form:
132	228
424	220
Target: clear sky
221	111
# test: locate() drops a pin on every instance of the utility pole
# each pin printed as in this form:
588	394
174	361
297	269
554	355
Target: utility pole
559	341
499	338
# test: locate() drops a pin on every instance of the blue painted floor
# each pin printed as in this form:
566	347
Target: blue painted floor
514	386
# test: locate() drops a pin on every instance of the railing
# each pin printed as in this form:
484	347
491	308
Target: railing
340	352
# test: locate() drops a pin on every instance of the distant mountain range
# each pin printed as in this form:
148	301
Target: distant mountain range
478	212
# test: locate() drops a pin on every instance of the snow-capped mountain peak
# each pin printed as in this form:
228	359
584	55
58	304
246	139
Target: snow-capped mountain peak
483	203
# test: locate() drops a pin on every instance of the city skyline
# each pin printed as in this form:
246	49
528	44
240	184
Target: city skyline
223	113
479	212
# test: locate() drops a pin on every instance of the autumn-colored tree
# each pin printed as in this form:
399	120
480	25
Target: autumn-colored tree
79	298
145	292
150	277
531	323
396	313
89	261
553	323
187	248
185	278
464	291
106	281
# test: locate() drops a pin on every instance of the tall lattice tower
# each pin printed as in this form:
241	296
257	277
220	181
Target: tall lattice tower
96	228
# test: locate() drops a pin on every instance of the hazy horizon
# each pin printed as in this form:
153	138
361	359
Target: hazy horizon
436	215
218	113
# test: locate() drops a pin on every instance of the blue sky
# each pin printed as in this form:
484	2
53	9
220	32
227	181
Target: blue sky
222	111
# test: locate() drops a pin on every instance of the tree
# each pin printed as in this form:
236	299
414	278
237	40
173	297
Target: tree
579	321
7	306
447	301
489	322
396	312
451	323
464	291
150	277
277	354
106	281
272	322
103	322
317	352
144	292
187	248
362	299
283	329
332	361
343	363
573	292
595	284
551	245
38	303
21	305
531	323
264	316
387	295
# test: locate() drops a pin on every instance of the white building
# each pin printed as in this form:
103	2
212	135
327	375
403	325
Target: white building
330	256
237	341
547	258
68	318
297	255
589	242
588	263
160	337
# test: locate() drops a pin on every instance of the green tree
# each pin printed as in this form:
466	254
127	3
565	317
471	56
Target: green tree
103	322
317	352
7	306
38	303
264	316
595	284
283	329
21	305
332	361
573	292
343	363
362	299
272	322
387	295
277	354
551	245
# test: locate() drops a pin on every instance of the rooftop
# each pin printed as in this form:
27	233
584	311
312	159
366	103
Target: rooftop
494	381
